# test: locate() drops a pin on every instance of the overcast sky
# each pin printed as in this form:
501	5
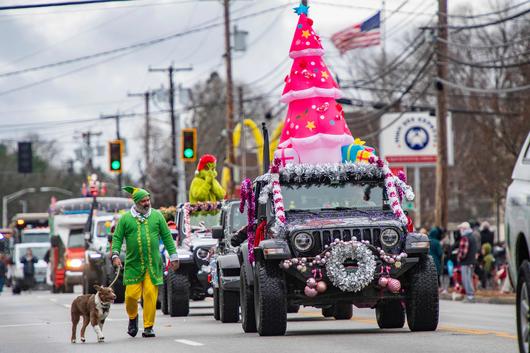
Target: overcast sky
99	86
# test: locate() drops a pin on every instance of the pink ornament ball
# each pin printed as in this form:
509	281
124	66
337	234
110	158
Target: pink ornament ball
286	265
321	287
394	285
310	292
383	282
311	282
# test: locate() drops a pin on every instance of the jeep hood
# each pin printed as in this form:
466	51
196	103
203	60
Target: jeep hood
297	221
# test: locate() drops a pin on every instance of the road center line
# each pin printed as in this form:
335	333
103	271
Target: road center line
190	343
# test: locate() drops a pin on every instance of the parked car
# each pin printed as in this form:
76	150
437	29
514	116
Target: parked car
340	244
517	225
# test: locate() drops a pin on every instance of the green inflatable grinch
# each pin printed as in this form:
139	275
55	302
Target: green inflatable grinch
204	187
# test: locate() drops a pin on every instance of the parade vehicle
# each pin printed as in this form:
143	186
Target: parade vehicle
225	264
39	251
195	245
69	221
517	225
98	267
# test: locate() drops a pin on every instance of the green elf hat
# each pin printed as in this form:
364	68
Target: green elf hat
136	193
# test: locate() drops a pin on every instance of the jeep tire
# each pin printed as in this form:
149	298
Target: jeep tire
162	292
522	309
270	302
422	301
246	298
178	293
228	306
343	311
390	314
216	315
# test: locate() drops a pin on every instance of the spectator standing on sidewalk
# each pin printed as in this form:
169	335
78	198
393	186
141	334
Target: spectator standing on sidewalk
486	235
435	250
467	254
487	265
3	272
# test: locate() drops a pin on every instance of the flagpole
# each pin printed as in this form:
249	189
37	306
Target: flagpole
383	41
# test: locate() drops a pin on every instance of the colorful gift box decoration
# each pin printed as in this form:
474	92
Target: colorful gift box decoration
287	155
357	152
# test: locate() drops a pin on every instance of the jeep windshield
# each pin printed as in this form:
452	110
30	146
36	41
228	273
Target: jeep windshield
203	221
337	196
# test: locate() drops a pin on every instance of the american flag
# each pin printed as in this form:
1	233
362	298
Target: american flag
360	35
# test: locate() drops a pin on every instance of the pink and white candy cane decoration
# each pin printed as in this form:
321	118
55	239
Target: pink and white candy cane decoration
187	224
392	189
278	199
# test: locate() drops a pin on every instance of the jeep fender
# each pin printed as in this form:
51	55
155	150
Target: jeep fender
417	243
228	261
272	249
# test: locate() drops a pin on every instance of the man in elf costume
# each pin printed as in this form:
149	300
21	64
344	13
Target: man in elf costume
204	187
141	228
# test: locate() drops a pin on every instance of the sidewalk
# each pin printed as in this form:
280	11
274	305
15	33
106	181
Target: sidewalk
486	297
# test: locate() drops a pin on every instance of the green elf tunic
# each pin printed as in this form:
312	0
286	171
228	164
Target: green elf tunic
141	235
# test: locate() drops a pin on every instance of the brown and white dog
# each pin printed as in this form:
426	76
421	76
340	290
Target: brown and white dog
94	308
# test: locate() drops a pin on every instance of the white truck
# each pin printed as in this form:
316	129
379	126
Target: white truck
517	224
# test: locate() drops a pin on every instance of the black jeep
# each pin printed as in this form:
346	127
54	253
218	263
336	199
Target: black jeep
340	244
192	279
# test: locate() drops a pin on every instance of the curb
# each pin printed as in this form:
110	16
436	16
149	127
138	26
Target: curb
482	300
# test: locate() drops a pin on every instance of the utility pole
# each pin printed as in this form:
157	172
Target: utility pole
243	141
117	117
147	97
178	165
229	100
441	210
87	137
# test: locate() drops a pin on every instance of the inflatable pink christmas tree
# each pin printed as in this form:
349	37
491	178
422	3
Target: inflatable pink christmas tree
315	128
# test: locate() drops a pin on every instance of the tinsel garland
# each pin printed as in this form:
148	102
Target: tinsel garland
248	198
393	184
189	208
338	172
356	280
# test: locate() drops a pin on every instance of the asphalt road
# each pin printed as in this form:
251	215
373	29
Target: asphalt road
40	322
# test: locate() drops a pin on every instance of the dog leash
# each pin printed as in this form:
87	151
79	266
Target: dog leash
116	278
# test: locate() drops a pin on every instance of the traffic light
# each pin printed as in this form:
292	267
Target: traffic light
189	145
25	157
115	154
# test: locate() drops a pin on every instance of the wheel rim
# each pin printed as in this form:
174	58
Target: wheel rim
523	316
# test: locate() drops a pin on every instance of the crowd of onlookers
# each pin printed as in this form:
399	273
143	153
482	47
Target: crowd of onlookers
468	259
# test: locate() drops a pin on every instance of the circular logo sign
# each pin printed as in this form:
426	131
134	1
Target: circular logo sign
417	138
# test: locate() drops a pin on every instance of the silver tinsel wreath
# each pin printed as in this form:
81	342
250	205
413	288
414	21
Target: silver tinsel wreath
350	281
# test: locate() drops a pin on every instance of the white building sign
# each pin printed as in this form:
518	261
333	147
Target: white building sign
411	139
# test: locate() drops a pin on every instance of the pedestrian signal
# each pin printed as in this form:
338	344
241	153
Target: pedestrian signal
189	145
115	156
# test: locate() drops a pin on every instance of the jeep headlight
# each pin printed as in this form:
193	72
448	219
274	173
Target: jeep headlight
303	242
202	254
389	237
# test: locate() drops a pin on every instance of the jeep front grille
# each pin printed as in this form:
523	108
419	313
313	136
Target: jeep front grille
326	237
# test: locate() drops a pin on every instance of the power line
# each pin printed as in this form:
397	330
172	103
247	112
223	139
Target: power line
482	25
490	13
484	47
55	4
369	8
483	90
484	65
139	45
